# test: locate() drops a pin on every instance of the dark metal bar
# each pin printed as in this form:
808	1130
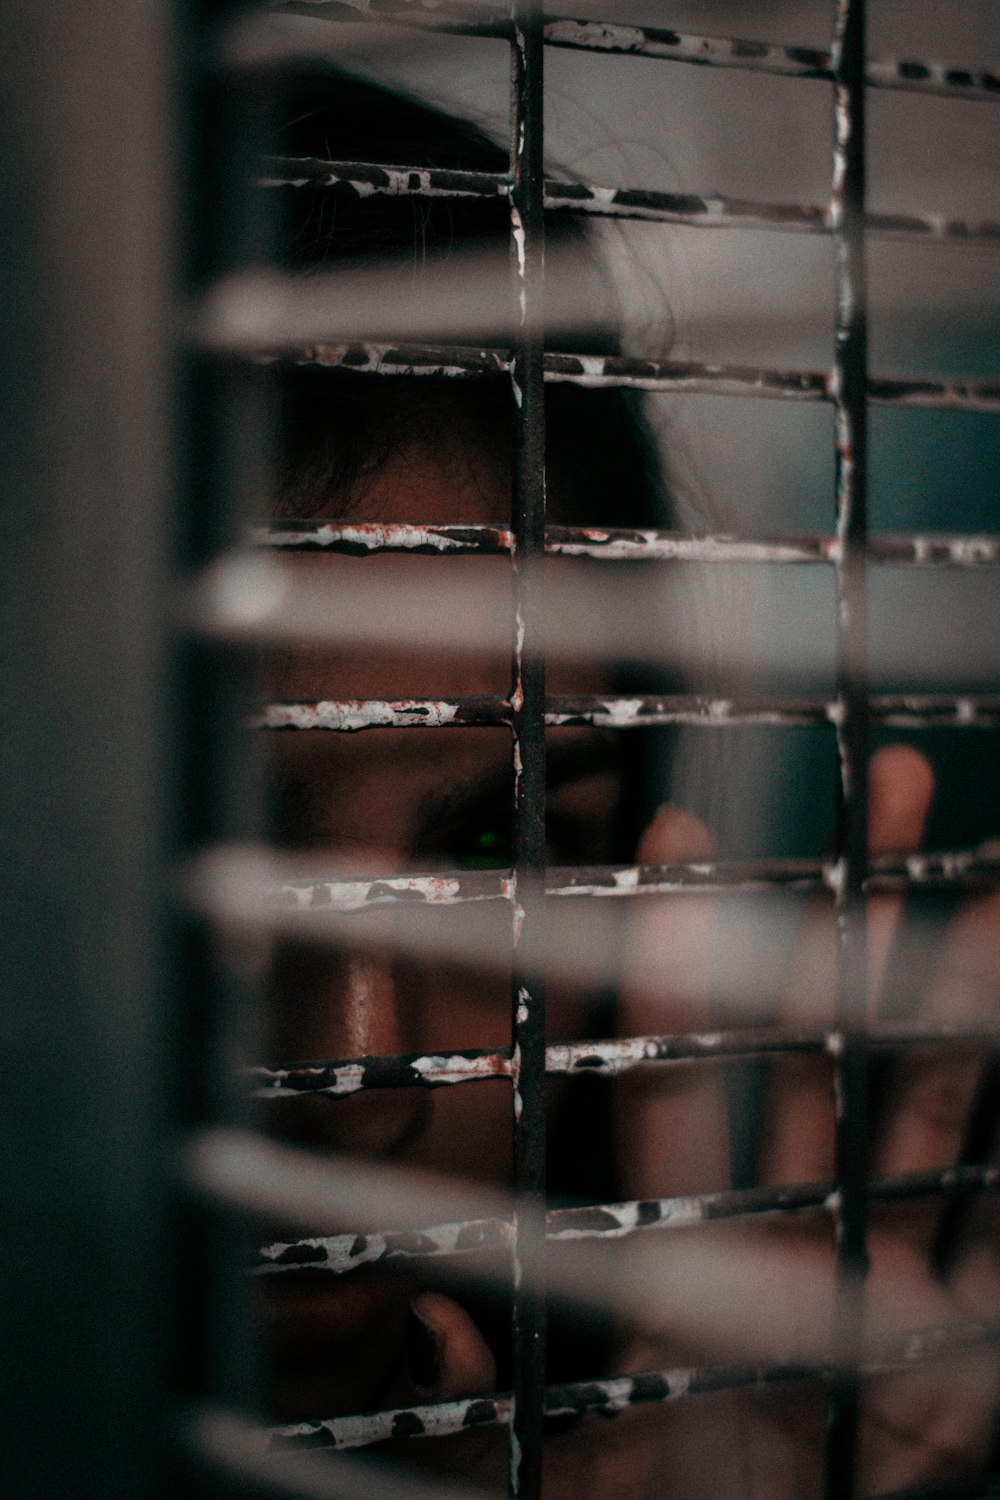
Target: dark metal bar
671	1213
620	1393
349	895
246	1171
336	1254
847	210
339	1253
527	700
353	714
935	395
713	211
375	179
897	711
931	550
911	76
349	1076
447	362
654	375
604	1058
363	538
956	868
707	211
767	57
237	1455
626	544
607	371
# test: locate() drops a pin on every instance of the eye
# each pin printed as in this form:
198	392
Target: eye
490	847
487	847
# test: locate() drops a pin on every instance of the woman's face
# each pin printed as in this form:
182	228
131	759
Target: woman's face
383	802
386	801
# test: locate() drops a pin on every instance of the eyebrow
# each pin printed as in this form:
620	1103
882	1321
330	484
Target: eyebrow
450	802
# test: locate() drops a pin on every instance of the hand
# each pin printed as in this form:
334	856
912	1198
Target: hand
772	1294
768	1286
448	1359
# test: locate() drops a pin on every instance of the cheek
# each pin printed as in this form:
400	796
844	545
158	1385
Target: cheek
470	1133
459	1010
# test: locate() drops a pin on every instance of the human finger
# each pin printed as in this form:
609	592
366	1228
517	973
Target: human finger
446	1353
933	1091
922	1421
670	1119
911	1435
446	1358
797	1130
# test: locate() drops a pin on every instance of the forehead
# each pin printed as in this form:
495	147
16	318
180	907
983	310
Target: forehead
369	448
429	455
396	450
451	474
383	448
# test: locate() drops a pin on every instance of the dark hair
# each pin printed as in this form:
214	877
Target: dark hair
603	464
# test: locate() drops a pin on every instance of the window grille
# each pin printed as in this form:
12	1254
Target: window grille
243	313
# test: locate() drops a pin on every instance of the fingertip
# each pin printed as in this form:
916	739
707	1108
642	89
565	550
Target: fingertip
901	785
450	1358
675	836
424	1348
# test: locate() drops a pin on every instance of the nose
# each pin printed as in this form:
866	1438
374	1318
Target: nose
367	1020
348	1005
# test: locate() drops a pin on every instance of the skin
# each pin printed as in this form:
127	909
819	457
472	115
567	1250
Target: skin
386	801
